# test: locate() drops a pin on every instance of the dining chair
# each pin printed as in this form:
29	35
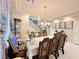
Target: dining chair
58	35
53	47
43	49
44	33
40	34
13	51
62	42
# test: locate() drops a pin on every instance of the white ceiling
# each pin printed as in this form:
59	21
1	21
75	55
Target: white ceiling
55	8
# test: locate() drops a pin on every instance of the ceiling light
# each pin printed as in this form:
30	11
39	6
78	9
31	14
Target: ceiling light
56	21
68	19
42	23
48	23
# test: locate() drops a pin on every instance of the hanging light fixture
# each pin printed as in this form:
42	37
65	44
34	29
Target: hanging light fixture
45	8
45	13
47	24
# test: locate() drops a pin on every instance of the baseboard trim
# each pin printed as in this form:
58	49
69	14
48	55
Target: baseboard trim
76	44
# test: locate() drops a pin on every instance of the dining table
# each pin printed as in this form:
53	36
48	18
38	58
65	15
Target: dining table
33	45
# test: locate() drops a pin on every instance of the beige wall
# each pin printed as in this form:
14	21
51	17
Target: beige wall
76	31
25	27
69	33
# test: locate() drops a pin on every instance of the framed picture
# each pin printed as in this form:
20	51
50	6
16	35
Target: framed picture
69	24
62	25
54	25
57	26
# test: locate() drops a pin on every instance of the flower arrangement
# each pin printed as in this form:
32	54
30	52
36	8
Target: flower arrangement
31	35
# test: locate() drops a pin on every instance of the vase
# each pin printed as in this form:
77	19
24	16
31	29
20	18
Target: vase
30	38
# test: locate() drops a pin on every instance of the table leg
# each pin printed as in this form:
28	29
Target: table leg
30	55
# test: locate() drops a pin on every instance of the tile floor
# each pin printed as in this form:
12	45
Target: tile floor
71	52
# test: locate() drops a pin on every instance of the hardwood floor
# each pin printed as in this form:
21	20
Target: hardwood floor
71	52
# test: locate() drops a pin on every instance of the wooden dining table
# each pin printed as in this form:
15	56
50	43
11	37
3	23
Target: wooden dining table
33	46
